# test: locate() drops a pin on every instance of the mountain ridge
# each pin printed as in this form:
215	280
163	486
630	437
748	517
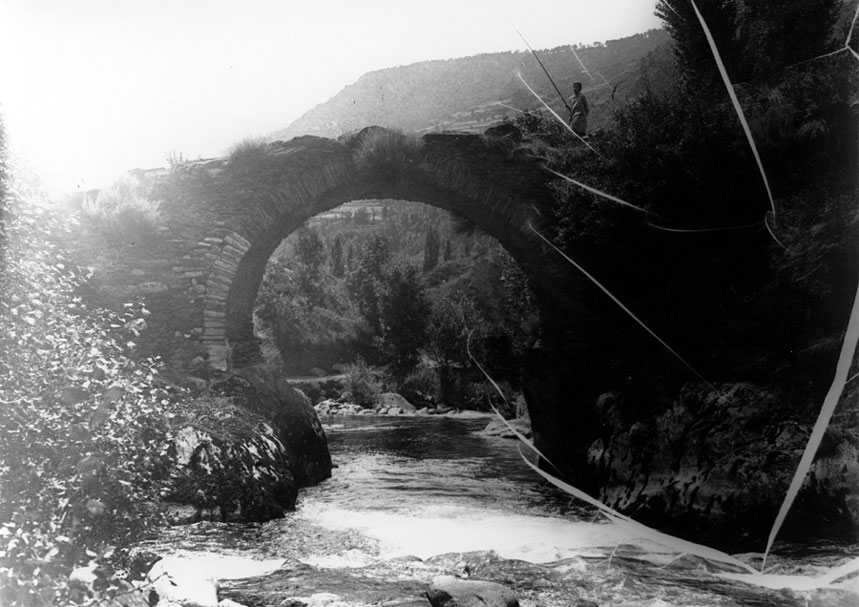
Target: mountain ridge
471	93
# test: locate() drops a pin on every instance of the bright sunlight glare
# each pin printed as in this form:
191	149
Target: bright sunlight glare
99	87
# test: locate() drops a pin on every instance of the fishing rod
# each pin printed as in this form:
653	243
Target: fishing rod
537	57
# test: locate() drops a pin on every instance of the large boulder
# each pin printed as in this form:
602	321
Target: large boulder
260	390
392	400
450	591
245	446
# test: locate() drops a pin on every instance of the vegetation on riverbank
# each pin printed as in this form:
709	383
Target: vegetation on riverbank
400	287
85	439
93	439
746	268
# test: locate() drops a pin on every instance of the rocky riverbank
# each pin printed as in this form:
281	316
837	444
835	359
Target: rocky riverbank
392	404
620	576
716	464
419	501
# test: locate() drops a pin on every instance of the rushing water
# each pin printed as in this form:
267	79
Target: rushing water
427	486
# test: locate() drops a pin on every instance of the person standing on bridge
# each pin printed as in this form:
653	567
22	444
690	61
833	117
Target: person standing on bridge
579	111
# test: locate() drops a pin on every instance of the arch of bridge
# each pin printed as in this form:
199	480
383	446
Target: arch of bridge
221	222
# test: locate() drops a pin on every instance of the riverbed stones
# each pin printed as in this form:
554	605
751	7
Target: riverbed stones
392	400
330	407
388	403
502	428
319	599
450	591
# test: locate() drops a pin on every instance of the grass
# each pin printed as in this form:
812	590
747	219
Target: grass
249	153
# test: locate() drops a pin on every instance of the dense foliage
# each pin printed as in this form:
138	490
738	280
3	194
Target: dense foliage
84	436
122	212
363	295
456	330
404	312
745	288
306	315
756	38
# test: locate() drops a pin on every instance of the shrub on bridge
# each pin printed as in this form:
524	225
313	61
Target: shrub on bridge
123	212
249	154
386	151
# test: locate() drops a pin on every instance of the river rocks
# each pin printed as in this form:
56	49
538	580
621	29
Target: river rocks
449	591
388	403
392	400
498	427
320	599
296	583
245	447
330	407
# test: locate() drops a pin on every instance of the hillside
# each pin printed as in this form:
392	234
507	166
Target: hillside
471	93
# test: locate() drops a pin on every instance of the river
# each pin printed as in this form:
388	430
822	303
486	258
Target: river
413	497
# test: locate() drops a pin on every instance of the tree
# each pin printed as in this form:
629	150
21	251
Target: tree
756	39
84	435
307	319
404	311
431	248
338	267
310	256
452	319
360	216
364	281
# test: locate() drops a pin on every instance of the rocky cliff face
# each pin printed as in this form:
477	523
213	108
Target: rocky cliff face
715	466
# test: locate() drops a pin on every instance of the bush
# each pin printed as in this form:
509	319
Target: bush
421	387
479	395
362	386
122	212
249	154
386	151
405	310
456	326
85	447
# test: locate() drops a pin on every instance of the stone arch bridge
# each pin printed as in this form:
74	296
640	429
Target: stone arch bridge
221	219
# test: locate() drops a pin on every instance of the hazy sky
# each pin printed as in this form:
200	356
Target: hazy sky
91	88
